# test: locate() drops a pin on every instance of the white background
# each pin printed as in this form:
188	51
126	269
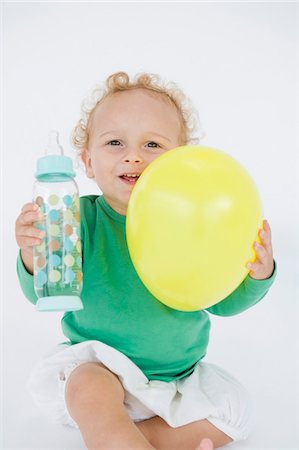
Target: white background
237	62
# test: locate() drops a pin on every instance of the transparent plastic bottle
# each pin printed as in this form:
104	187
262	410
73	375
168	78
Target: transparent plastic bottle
58	259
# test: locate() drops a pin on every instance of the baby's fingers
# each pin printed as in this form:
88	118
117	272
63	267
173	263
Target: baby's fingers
27	218
266	235
253	267
29	207
26	241
30	213
260	252
30	231
27	236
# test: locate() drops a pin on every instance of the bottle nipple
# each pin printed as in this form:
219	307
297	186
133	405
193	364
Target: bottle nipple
54	163
53	147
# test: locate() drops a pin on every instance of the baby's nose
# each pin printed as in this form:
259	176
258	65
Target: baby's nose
132	156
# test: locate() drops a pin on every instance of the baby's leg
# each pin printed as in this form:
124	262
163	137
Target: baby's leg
188	437
94	398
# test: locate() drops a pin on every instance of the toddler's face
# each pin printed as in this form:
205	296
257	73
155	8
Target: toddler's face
129	130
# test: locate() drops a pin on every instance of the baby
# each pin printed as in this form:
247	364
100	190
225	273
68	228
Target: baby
131	375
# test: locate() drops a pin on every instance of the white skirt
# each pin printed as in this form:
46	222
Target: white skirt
208	393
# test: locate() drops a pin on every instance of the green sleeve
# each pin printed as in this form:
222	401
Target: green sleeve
26	281
249	293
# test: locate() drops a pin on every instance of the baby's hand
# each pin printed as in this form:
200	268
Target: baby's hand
27	235
262	267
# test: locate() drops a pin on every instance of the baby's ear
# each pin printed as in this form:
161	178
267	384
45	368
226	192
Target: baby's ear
85	157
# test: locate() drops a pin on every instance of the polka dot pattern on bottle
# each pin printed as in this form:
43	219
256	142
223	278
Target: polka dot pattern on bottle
54	245
67	200
53	215
69	260
54	229
68	244
69	276
54	260
54	275
39	200
41	261
68	230
41	248
53	199
58	259
68	215
41	278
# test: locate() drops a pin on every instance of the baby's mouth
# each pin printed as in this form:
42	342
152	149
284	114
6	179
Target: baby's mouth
130	178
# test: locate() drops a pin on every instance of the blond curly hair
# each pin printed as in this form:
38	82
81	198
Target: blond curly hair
120	81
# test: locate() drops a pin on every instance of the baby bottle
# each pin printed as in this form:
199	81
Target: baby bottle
57	260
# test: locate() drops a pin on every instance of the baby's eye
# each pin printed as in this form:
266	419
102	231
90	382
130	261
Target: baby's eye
153	144
113	142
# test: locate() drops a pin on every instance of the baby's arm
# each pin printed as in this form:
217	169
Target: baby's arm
255	286
27	236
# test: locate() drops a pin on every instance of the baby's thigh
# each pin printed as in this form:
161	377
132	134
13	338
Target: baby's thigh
92	382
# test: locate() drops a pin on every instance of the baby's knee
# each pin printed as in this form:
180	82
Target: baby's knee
90	382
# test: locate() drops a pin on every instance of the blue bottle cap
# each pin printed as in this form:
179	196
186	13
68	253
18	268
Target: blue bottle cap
59	303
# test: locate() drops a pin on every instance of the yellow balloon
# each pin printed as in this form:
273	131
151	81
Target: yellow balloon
192	219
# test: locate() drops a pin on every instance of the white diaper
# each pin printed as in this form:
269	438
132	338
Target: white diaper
208	393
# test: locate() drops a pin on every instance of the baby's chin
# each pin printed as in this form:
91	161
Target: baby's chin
120	203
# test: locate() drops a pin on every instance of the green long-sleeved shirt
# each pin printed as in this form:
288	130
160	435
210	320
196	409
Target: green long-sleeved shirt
119	311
